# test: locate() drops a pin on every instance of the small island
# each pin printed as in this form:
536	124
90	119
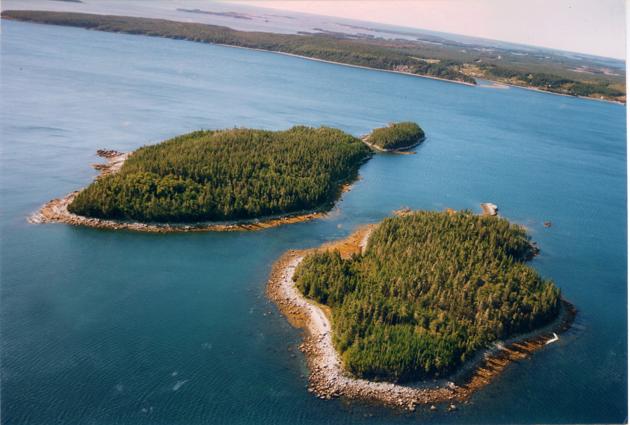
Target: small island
419	297
234	179
396	137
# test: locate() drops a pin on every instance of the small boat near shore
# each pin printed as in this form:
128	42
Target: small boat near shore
554	339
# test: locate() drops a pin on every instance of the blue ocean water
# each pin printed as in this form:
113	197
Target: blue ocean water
103	327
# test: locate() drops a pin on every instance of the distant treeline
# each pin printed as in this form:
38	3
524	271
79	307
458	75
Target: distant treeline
430	290
456	62
226	175
326	47
399	135
554	83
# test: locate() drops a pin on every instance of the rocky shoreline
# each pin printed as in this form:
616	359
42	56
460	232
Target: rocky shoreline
56	210
489	209
405	150
327	377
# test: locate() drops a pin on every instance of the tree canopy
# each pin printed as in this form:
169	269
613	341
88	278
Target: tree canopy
227	174
398	135
430	290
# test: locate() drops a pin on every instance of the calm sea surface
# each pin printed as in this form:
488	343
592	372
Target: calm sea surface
103	327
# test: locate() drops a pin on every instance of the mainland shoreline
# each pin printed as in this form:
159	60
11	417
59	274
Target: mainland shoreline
498	82
536	89
393	71
327	377
11	18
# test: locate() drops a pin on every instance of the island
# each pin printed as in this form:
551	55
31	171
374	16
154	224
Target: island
396	137
233	179
440	300
429	57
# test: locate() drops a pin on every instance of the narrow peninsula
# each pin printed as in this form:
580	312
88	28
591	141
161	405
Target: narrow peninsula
234	179
442	301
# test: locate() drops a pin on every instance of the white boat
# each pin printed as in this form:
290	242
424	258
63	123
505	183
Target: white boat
554	339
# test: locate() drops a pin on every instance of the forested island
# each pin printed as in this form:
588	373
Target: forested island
418	297
430	290
443	60
227	175
398	136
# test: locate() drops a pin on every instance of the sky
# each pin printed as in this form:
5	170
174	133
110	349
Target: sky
586	26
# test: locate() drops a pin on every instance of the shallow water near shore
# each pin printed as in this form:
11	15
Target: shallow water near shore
108	327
